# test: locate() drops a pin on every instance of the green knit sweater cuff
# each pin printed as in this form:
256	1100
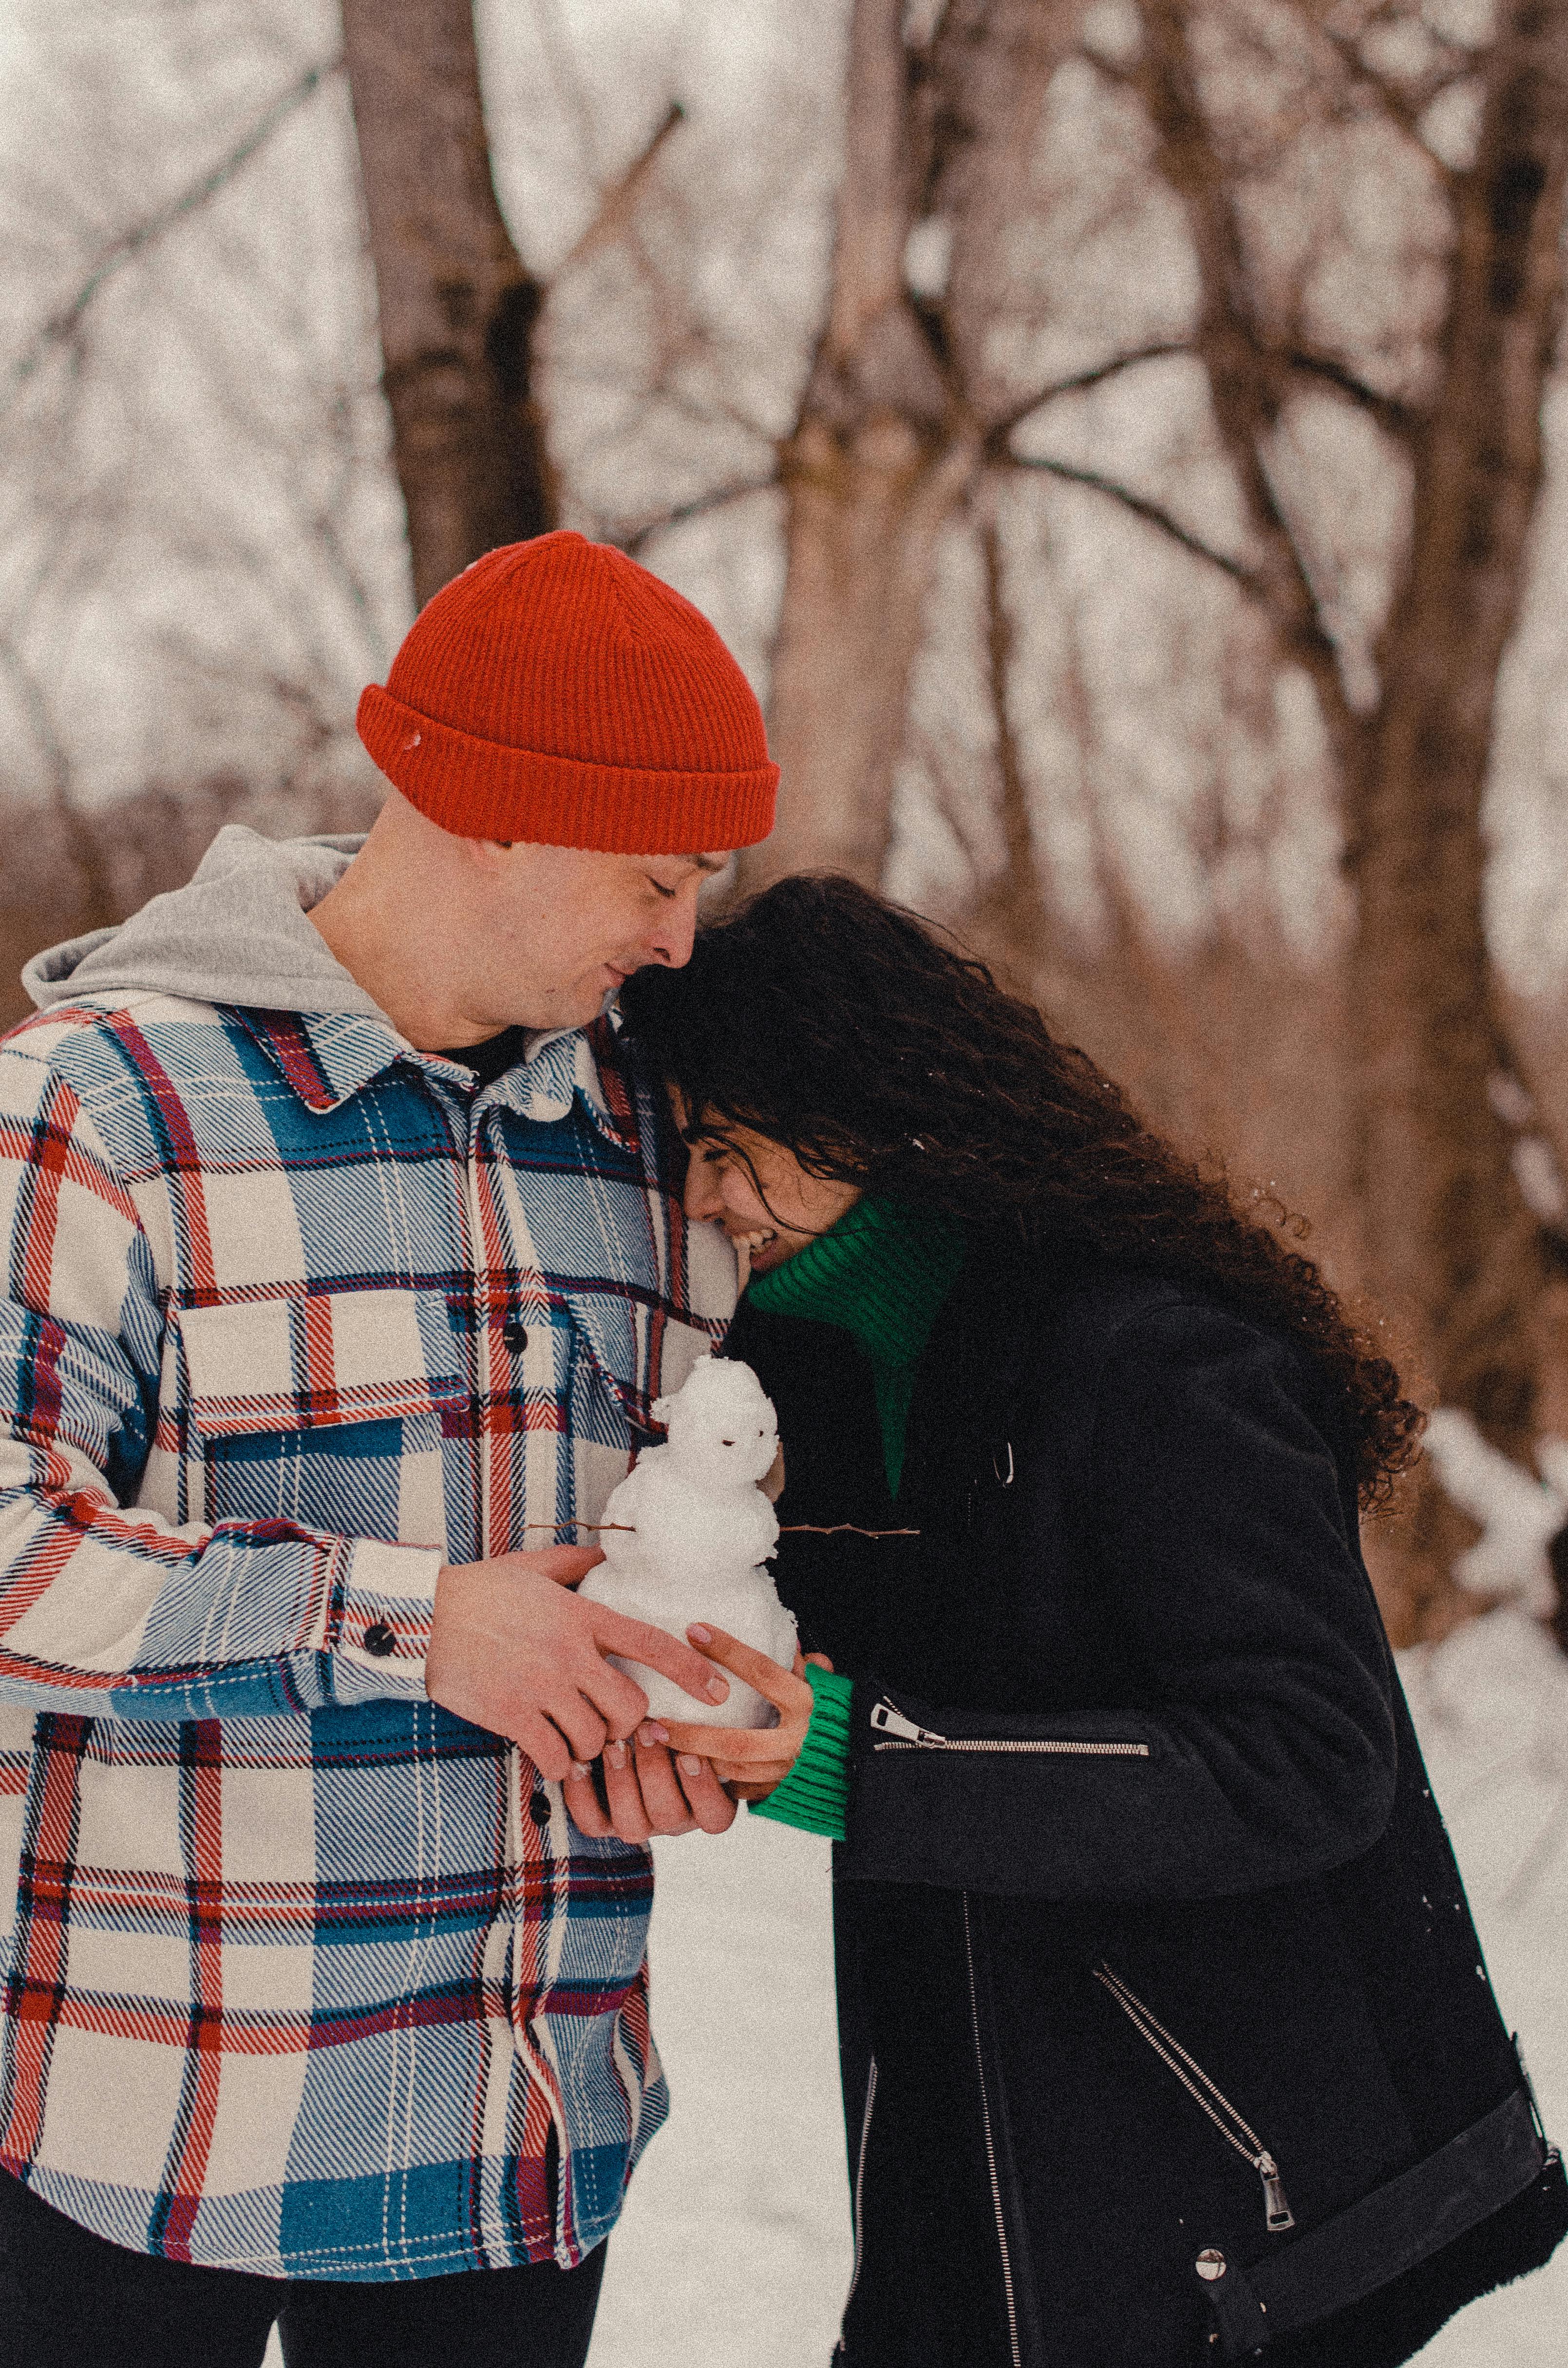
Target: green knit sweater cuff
815	1793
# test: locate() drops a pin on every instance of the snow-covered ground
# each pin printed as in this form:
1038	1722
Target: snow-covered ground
735	2243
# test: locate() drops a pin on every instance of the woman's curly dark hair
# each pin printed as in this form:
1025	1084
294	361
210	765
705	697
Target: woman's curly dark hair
828	1020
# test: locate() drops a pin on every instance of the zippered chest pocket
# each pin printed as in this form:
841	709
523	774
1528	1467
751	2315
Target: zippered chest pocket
1236	2133
895	1732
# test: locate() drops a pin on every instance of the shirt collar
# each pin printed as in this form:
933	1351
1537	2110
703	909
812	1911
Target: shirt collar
328	1057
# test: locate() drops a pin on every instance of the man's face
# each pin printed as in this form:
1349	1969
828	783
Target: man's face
558	927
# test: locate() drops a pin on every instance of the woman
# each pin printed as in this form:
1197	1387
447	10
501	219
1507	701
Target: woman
1165	2030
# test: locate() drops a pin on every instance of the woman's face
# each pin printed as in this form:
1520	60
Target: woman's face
762	1196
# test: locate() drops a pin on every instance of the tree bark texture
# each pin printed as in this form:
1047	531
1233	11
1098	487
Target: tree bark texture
458	306
890	437
1453	1247
1451	1250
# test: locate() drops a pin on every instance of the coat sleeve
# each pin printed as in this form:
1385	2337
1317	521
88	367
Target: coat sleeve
1260	1748
108	1611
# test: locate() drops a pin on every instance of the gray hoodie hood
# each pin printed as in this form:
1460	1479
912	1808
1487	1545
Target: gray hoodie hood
236	933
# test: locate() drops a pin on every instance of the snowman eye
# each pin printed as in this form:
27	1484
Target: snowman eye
726	1443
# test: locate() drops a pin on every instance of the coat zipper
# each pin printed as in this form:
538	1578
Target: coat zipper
838	2351
910	1737
1236	2133
995	2177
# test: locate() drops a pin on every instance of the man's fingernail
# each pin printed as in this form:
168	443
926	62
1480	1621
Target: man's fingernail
688	1764
578	1770
653	1733
699	1634
718	1688
615	1755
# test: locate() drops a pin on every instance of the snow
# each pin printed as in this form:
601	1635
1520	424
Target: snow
1519	1515
1491	1705
735	2243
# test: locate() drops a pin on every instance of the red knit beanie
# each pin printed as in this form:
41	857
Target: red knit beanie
558	692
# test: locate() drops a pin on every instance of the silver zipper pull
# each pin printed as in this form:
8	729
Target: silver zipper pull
1276	2210
889	1720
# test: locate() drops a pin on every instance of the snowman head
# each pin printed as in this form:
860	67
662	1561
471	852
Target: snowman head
722	1429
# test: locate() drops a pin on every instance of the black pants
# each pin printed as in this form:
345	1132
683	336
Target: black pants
70	2300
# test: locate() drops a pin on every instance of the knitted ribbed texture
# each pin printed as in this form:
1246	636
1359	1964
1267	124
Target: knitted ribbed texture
815	1793
556	691
881	1274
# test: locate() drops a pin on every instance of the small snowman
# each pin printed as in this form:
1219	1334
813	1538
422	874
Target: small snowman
694	1532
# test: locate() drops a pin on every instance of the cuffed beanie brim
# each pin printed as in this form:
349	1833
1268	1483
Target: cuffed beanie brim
520	794
556	691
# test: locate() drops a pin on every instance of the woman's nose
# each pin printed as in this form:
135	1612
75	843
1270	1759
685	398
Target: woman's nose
702	1197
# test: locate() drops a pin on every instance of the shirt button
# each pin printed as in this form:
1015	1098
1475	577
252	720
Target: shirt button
379	1640
514	1334
539	1808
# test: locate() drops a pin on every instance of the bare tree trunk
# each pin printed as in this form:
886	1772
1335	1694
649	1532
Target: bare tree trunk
1451	1249
457	305
1453	1245
875	461
892	425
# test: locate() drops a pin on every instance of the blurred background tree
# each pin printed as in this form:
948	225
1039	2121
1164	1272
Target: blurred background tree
1120	436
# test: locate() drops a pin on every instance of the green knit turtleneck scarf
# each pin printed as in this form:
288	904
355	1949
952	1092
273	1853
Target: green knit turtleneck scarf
882	1275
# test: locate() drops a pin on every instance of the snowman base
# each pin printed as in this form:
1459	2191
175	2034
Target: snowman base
743	1707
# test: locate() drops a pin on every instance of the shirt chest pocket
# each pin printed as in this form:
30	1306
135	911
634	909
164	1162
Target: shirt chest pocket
328	1411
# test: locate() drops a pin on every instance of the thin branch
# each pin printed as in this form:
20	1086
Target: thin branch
632	543
62	326
1400	418
619	202
1151	512
1245	386
998	434
1402	108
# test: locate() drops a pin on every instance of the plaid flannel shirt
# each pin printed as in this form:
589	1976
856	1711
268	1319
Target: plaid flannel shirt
306	1977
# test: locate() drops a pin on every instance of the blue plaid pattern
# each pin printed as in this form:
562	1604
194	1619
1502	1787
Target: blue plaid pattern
305	1976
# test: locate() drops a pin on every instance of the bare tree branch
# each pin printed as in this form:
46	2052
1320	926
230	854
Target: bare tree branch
619	201
1094	376
1246	386
1400	418
634	538
64	324
1151	512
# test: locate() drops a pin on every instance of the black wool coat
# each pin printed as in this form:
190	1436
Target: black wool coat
1165	2032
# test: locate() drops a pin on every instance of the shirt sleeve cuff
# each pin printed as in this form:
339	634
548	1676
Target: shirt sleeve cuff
380	1623
815	1793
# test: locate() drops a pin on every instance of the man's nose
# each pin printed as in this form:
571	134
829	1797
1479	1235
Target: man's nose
672	941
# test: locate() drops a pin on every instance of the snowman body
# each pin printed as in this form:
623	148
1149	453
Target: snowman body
687	1533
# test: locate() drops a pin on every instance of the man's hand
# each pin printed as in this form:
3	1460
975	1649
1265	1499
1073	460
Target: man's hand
646	1793
512	1650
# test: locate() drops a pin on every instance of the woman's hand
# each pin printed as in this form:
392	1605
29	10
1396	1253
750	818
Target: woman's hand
749	1761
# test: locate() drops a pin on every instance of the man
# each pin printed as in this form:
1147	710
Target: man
346	1261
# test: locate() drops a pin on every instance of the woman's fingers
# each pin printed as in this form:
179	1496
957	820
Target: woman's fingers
750	1744
766	1677
751	1777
